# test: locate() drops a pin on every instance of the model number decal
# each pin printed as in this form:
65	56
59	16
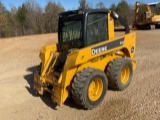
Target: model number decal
107	46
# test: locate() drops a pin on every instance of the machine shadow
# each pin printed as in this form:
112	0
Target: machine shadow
46	98
30	79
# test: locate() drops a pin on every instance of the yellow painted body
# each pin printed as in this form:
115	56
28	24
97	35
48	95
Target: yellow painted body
76	61
155	19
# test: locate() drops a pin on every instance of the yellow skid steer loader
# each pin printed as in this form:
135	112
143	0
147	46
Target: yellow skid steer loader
87	58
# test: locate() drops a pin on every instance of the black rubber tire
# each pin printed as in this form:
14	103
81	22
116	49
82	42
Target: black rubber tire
143	27
80	86
157	26
148	27
114	73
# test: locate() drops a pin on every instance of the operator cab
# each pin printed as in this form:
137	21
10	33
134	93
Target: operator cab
82	28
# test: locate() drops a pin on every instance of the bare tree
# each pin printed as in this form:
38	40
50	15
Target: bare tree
1	23
2	7
31	17
21	18
124	10
13	22
3	19
40	20
100	5
51	11
83	4
113	7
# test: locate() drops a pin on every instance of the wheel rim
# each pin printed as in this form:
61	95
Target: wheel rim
95	89
125	73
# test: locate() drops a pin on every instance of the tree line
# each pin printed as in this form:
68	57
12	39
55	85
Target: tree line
30	18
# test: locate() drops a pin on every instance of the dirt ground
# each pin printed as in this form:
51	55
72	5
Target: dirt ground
19	59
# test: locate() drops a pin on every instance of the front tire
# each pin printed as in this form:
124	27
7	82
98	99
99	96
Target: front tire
89	88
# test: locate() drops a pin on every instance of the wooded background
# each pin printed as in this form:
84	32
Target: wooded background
30	18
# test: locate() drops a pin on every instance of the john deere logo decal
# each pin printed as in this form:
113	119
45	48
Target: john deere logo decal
107	46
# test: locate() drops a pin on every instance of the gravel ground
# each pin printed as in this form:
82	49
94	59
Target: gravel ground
19	59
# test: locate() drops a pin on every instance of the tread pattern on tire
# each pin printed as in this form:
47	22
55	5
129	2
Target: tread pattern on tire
78	86
114	70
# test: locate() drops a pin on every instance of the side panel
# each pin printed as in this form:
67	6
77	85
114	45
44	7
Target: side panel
101	62
85	58
126	48
125	42
156	19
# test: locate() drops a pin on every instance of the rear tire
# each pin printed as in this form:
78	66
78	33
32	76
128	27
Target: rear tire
119	73
89	87
157	26
143	27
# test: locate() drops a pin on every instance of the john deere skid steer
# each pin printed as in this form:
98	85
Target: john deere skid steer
87	59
